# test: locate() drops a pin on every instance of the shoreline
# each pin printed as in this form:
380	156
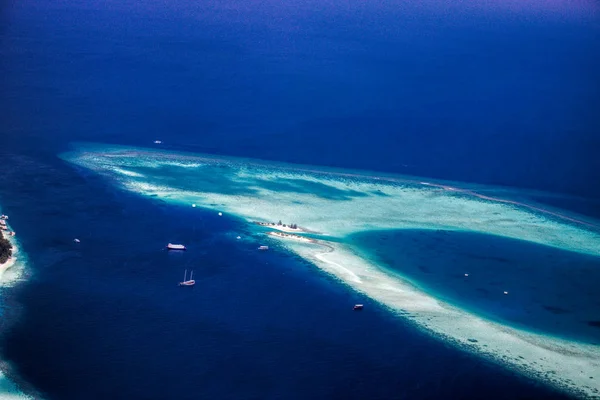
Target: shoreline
9	388
466	188
283	227
291	236
570	364
8	264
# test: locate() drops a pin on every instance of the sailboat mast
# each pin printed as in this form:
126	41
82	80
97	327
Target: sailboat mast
184	275
192	275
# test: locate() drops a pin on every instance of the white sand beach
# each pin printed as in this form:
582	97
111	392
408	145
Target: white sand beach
562	363
7	265
10	270
282	228
282	235
9	273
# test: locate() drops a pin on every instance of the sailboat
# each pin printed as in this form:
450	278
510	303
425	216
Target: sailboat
187	282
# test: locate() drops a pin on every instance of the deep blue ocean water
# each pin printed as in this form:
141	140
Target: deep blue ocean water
453	92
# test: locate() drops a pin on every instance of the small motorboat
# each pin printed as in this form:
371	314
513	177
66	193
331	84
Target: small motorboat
263	247
158	142
172	246
358	307
187	282
77	240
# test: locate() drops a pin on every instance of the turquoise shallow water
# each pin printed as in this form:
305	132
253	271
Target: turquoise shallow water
105	319
500	94
125	282
343	203
550	291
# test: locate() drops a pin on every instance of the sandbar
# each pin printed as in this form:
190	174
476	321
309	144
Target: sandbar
283	235
341	204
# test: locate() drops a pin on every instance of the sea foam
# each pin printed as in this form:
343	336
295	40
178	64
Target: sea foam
9	391
337	204
10	273
12	270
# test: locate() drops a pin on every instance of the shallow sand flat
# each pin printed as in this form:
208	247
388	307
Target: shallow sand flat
407	208
333	204
285	236
341	204
563	363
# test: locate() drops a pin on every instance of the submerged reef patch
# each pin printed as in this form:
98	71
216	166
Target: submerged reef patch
335	204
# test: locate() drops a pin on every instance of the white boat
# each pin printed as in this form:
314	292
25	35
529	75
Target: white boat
3	216
172	246
157	142
187	282
77	240
263	248
358	307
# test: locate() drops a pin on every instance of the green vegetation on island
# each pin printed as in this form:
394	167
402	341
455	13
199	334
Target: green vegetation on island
278	224
291	226
5	249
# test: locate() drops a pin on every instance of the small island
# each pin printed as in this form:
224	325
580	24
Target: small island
291	236
281	226
6	247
